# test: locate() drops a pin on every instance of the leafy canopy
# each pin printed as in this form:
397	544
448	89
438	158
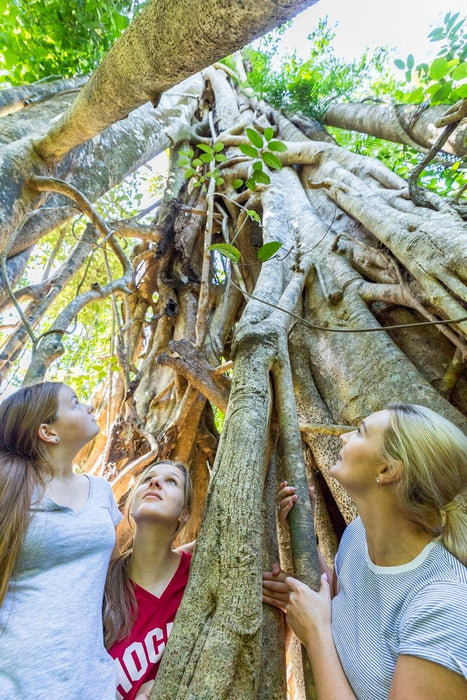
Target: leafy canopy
61	38
444	80
310	86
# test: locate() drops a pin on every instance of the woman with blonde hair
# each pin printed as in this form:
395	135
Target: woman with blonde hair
145	584
57	533
396	625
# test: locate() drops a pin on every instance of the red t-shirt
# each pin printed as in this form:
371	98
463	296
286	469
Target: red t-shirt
138	656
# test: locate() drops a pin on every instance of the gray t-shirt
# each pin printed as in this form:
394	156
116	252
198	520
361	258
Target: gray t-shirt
51	640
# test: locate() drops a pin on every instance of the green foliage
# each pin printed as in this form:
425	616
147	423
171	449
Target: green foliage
444	80
309	86
443	176
43	38
229	251
268	250
194	166
89	344
260	148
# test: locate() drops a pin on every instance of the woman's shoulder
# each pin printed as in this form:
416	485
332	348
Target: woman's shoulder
101	494
440	585
353	534
445	566
99	484
352	543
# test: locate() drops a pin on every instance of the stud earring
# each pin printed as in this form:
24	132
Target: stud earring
377	479
57	439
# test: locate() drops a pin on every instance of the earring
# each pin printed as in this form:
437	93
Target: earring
57	439
377	479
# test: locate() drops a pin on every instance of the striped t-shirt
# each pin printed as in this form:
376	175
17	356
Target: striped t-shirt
380	612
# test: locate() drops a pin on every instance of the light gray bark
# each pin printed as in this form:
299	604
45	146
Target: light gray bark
410	124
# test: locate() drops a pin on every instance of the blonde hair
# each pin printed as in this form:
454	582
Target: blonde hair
119	608
433	452
24	464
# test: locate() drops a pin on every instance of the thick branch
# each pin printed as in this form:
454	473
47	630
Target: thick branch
142	63
192	364
406	124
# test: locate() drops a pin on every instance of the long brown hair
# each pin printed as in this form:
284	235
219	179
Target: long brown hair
24	464
119	608
433	452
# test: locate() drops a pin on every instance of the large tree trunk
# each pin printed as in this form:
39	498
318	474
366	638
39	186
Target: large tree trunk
304	333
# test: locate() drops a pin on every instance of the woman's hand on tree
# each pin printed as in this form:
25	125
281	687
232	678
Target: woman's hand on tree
275	590
307	610
286	497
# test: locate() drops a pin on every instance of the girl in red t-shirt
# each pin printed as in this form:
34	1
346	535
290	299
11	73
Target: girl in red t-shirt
145	584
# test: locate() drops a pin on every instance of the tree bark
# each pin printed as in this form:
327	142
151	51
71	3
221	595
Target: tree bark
412	125
319	335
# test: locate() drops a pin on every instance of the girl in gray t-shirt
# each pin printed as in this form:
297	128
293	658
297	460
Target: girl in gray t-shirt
57	533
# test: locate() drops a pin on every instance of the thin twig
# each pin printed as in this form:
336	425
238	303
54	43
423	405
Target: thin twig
347	330
416	193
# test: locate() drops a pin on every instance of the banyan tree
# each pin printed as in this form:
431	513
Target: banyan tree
283	281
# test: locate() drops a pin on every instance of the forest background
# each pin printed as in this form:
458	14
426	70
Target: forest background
274	283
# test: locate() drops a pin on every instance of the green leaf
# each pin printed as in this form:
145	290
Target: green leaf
459	93
218	146
449	21
459	72
251	184
261	177
436	35
187	152
205	157
268	250
415	96
399	64
433	88
197	162
254	215
255	138
277	146
205	148
237	184
271	161
443	94
220	181
257	165
183	161
229	251
188	173
268	133
220	157
248	150
439	68
410	61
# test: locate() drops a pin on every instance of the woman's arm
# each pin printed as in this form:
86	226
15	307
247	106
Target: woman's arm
420	679
309	616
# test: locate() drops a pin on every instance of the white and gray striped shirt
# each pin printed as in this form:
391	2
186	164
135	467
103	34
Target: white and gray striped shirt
380	612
